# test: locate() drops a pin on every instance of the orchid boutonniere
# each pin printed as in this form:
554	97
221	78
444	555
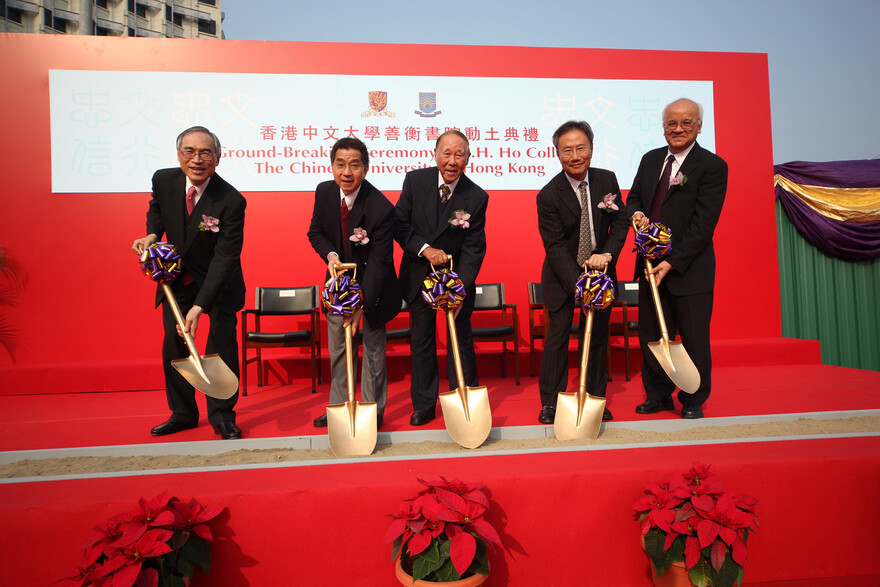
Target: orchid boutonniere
678	181
209	223
460	219
359	236
607	203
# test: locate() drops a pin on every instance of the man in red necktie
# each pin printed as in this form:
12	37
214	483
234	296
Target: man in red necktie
353	222
203	217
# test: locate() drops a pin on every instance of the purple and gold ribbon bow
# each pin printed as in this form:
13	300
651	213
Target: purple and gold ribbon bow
443	289
160	262
342	295
594	289
653	241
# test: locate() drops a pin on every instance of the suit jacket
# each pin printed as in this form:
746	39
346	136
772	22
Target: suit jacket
690	210
559	218
375	260
417	224
212	258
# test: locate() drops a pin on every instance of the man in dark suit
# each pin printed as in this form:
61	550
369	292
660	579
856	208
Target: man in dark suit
428	202
578	224
682	186
353	222
187	205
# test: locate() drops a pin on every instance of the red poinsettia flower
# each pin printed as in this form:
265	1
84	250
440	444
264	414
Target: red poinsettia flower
446	519
125	564
469	491
694	511
194	517
154	513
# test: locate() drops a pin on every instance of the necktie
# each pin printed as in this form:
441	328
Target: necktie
190	200
586	238
662	188
343	217
445	192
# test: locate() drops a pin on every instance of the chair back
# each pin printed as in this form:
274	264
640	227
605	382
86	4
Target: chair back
489	296
629	292
535	296
281	301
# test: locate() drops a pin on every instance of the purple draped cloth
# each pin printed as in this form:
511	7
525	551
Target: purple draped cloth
845	240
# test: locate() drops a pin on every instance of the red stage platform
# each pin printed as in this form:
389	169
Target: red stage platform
565	515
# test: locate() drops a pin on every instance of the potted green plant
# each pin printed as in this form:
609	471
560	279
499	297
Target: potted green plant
441	535
693	520
158	544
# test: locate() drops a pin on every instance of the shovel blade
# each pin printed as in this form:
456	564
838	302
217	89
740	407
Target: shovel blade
467	415
221	382
351	428
681	370
578	416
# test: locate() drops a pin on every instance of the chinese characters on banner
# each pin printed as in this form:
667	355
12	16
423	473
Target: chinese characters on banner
111	130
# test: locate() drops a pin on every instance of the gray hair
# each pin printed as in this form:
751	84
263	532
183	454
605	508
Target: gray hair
193	129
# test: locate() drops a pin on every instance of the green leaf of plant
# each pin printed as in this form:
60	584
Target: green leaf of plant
728	573
426	562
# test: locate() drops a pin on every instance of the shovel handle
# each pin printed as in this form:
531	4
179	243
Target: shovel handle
448	258
349	361
585	352
343	267
190	343
456	357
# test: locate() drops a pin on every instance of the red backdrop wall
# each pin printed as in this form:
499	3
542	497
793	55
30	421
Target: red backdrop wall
87	308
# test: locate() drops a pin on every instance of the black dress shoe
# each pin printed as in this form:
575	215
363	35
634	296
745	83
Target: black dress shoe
170	426
320	421
691	412
652	406
606	415
228	430
547	415
422	417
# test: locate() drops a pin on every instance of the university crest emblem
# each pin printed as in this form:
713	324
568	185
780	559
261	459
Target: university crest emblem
427	105
378	105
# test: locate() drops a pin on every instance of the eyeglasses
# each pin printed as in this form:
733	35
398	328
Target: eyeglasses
569	152
686	125
354	166
191	154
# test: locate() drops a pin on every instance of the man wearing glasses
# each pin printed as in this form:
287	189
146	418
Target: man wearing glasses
203	217
353	222
681	186
581	221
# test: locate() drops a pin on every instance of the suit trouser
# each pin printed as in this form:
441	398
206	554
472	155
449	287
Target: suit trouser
221	340
689	317
425	386
553	377
374	376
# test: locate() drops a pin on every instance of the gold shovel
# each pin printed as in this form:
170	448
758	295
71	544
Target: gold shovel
671	355
351	426
466	410
207	373
579	415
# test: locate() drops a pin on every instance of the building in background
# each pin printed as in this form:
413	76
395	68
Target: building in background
117	18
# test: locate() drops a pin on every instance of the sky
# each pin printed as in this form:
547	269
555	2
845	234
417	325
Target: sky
822	56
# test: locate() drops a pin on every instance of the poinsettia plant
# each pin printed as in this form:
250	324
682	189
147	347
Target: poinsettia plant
693	518
155	545
441	534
